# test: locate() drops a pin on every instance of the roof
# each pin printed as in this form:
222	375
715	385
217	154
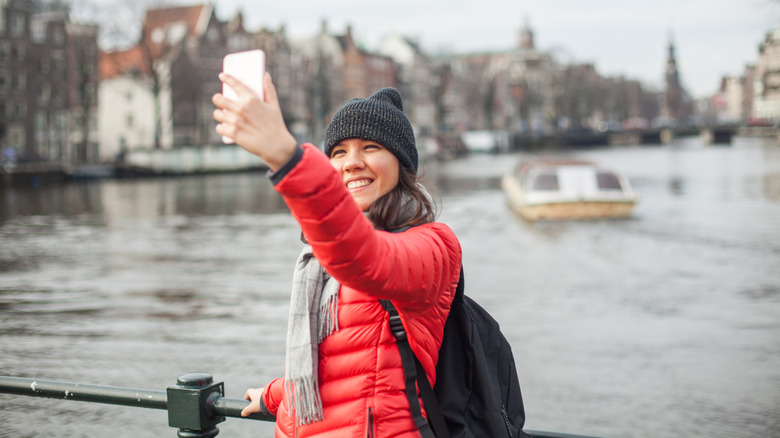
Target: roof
171	25
524	166
122	62
162	29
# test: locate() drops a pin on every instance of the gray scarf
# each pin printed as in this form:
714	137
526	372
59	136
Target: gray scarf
313	317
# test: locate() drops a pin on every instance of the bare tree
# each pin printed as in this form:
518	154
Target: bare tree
119	21
82	51
441	83
120	36
578	94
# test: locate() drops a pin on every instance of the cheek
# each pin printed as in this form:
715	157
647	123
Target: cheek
390	177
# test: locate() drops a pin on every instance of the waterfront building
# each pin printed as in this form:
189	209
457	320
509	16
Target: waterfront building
766	103
415	79
323	61
335	68
509	90
48	80
157	94
129	110
731	108
286	67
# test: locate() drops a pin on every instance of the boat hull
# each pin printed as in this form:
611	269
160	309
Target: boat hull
532	207
581	210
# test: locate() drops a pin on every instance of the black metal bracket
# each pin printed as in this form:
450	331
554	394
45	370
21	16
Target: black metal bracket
190	402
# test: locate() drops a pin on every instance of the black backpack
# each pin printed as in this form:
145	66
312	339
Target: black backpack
477	393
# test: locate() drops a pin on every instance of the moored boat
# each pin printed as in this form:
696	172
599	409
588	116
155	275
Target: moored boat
567	189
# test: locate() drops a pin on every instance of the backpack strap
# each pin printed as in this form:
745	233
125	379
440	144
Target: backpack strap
415	373
411	367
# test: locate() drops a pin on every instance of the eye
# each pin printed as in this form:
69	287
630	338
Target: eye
372	146
336	151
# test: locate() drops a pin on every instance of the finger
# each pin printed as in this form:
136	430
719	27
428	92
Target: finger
234	83
270	89
225	131
220	101
247	396
219	115
223	115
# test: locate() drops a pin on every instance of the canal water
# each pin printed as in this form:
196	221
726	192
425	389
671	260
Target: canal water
663	325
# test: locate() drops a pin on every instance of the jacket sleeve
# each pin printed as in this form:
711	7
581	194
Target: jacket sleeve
412	268
273	395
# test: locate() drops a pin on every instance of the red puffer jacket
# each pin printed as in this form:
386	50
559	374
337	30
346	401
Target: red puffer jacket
361	378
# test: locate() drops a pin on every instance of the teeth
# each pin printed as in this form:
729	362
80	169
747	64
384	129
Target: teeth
358	184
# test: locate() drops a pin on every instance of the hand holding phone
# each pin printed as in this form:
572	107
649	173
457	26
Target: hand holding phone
249	68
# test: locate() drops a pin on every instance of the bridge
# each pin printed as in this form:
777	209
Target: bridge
709	135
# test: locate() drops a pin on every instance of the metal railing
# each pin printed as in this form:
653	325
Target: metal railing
195	404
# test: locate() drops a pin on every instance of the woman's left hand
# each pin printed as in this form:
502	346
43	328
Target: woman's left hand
254	124
255	395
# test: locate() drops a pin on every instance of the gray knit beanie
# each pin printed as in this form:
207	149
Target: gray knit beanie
378	118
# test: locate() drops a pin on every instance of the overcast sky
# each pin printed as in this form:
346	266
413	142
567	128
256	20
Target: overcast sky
713	38
630	37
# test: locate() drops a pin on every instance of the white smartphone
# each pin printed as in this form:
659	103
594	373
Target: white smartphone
249	68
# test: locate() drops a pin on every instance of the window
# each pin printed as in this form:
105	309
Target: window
62	118
40	122
44	93
59	37
18	82
19	110
17	25
545	181
608	181
59	96
212	34
16	136
158	35
38	29
17	52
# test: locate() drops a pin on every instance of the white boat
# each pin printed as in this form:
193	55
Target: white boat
563	189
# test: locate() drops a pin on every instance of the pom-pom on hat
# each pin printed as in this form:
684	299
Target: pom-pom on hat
378	118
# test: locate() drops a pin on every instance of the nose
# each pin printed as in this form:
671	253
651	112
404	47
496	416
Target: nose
353	161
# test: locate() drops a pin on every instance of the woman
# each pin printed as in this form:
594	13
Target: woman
370	233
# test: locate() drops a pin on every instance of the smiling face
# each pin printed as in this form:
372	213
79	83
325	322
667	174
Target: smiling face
368	170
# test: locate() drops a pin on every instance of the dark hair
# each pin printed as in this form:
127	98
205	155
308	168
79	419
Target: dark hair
385	212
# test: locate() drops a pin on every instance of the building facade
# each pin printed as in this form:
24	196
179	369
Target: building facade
766	83
16	129
48	80
158	93
416	80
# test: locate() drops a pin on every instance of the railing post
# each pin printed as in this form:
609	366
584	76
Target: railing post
189	405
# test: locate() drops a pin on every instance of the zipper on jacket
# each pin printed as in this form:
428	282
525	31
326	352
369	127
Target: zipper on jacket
370	423
506	420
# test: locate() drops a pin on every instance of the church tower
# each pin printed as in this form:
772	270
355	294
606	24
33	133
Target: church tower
674	94
526	37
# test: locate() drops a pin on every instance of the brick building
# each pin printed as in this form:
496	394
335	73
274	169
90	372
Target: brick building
158	93
766	104
48	80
